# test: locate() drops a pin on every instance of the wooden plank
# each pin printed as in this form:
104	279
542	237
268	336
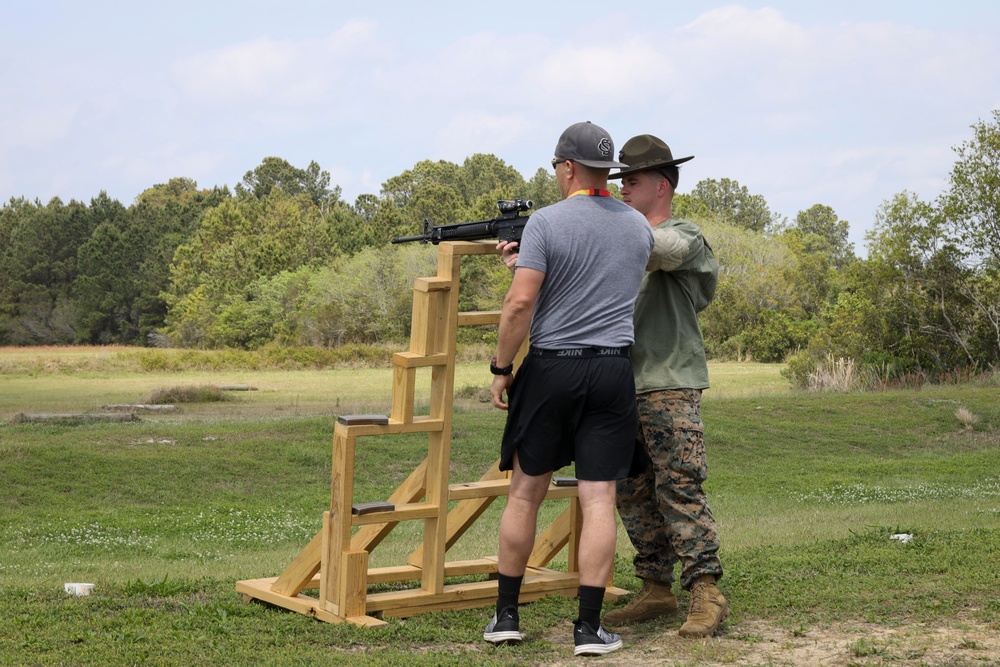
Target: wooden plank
404	381
423	321
480	247
417	360
435	284
439	444
260	589
337	522
537	583
407	512
435	525
569	590
329	558
473	318
499	487
421	424
353	582
398	573
482	489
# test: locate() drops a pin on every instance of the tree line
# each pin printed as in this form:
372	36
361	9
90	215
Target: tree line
282	259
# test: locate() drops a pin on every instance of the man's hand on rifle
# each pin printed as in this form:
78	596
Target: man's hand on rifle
508	253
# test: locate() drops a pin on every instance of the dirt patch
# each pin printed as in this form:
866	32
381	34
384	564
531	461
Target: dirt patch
754	643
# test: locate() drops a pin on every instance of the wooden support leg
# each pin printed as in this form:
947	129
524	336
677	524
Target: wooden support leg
435	537
337	522
354	583
404	386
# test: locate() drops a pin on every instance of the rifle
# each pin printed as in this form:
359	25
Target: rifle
506	227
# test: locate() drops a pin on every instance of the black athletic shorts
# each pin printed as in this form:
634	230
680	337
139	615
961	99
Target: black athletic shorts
580	407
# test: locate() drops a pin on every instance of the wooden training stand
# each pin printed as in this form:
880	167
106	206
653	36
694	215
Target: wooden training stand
336	561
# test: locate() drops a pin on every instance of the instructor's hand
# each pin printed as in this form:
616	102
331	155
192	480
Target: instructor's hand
501	384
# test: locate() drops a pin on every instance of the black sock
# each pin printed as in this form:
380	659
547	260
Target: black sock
591	598
508	591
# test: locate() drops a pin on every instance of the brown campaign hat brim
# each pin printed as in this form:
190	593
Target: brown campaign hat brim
650	166
646	153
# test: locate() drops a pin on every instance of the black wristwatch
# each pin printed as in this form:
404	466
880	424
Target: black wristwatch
506	370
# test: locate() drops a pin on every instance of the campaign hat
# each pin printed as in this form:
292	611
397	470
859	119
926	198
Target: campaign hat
644	153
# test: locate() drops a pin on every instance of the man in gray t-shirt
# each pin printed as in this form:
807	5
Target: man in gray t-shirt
585	246
573	399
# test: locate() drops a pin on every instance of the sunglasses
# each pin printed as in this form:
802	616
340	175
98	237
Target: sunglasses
558	161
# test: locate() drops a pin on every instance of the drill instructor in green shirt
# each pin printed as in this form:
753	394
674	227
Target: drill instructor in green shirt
664	510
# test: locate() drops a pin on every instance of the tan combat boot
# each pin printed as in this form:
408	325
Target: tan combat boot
708	609
654	599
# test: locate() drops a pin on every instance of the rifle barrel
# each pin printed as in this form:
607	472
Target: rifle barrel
409	239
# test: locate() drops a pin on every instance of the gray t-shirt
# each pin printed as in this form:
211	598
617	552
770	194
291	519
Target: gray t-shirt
593	252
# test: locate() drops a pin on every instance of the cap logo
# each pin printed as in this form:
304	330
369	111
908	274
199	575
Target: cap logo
605	147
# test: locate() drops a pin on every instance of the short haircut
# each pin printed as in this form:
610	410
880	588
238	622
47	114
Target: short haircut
672	174
591	172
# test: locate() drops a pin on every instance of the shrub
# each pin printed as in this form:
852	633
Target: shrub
188	394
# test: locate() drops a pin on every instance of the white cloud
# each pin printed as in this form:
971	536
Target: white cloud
608	74
739	28
281	73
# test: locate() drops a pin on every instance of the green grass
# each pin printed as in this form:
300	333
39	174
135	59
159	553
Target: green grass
167	513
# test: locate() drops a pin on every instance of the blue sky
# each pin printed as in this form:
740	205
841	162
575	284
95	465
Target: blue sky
843	104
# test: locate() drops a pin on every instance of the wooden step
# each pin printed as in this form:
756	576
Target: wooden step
432	284
421	424
405	512
499	487
478	317
417	360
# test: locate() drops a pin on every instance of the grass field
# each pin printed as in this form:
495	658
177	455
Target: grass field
68	379
165	514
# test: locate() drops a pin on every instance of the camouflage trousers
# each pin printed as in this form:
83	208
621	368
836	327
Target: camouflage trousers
664	510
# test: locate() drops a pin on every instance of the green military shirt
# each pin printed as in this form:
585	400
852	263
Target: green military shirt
669	351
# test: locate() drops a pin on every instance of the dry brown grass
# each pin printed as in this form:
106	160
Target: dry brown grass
836	375
967	419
